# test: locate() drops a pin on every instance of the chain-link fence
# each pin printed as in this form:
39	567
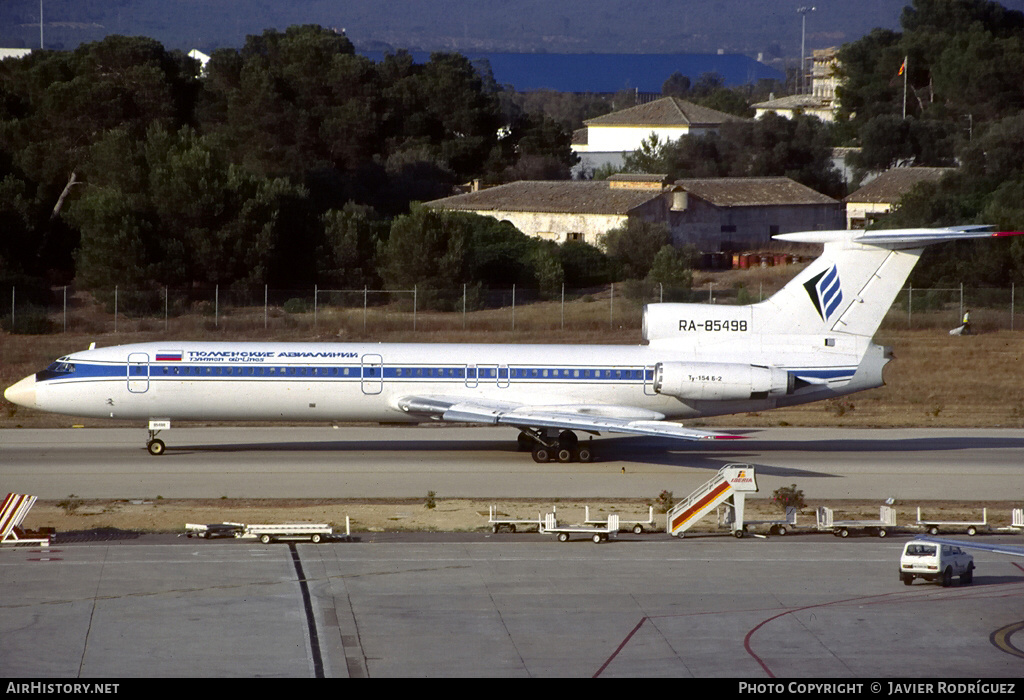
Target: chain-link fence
466	307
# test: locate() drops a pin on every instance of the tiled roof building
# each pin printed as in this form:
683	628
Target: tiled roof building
712	213
878	197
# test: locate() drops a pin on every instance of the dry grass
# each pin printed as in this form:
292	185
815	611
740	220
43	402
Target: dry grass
450	515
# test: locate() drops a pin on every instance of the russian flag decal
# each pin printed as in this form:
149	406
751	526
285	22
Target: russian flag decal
168	356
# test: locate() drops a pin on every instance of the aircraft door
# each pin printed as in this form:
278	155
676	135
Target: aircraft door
649	381
372	374
138	372
493	374
472	378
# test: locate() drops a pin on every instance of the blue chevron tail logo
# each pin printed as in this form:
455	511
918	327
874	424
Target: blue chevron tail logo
825	292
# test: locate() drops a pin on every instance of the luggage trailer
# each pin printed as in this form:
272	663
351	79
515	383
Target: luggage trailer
267	533
637	526
597	534
842	528
499	523
933	527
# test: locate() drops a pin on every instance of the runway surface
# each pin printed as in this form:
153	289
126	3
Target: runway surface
406	462
803	606
474	604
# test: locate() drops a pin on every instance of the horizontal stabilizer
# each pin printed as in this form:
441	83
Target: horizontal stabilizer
895	239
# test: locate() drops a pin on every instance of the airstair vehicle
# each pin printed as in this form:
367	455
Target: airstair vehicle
12	514
933	527
842	528
730	485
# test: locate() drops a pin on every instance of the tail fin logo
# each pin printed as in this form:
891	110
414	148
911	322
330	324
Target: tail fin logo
825	292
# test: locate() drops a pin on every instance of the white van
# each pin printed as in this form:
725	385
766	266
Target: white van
932	561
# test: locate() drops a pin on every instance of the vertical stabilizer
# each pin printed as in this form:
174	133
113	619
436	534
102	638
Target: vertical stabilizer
849	289
854	282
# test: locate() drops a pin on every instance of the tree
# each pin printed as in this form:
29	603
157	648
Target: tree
347	256
798	148
676	85
181	215
633	246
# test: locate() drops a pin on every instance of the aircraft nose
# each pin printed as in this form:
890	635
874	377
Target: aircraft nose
23	393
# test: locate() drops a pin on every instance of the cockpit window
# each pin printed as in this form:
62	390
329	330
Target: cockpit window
57	370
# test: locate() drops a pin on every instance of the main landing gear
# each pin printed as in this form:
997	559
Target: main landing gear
547	446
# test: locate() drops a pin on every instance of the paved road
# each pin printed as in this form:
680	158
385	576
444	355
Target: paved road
482	462
504	606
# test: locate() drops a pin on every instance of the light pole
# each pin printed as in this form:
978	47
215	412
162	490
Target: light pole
803	11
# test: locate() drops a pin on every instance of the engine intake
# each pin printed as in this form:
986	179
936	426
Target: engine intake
721	381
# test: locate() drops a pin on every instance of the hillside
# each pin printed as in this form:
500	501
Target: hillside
591	26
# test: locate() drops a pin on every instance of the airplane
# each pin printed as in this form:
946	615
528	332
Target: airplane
810	341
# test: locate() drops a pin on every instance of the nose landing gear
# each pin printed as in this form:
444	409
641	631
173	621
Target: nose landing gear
155	445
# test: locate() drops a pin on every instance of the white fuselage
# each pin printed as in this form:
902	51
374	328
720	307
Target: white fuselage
367	381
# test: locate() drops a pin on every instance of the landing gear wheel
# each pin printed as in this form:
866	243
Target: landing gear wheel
585	455
564	455
156	447
542	454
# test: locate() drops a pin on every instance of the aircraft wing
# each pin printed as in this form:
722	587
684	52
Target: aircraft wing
1012	550
588	418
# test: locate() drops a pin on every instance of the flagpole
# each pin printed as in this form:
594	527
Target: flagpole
905	58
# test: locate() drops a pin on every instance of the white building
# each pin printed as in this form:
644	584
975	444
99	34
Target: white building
14	53
608	139
821	102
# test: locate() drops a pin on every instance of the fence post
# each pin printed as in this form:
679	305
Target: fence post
611	306
910	306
